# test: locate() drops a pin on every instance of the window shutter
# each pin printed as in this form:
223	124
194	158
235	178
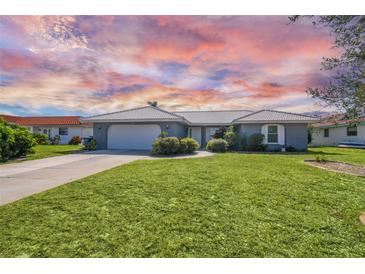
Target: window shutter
264	130
281	132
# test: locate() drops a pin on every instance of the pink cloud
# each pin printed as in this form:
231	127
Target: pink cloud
119	60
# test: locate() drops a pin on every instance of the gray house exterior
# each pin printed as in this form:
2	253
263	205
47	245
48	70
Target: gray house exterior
138	128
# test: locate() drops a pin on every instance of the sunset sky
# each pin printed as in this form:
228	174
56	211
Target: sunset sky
82	65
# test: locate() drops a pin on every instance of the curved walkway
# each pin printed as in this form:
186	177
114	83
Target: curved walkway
19	180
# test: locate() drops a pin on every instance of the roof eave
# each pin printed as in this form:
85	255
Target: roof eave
276	121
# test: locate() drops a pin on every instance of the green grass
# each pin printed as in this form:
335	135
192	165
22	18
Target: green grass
349	155
45	151
228	205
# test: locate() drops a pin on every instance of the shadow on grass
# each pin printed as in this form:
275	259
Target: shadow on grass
289	153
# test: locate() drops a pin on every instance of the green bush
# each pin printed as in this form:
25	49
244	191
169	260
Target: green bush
188	145
255	142
163	134
55	140
290	149
76	140
166	146
217	145
243	143
321	159
15	141
231	138
41	139
91	145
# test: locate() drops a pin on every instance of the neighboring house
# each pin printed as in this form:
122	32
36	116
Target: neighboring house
138	128
334	130
64	126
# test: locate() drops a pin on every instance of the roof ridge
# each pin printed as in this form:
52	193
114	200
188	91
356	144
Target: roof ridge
288	112
271	110
119	111
160	109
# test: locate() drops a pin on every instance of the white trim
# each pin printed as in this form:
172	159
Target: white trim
277	121
281	134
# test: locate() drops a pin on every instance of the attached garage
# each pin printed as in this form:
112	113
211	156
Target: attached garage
139	137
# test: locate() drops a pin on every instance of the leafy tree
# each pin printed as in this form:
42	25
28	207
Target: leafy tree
346	90
152	103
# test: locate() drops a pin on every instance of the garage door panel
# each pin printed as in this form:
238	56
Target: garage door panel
132	136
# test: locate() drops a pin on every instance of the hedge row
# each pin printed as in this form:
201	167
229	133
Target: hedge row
15	141
172	145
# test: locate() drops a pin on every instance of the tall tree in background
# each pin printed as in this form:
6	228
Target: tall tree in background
346	90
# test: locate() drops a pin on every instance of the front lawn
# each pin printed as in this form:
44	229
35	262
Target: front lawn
228	205
45	151
349	155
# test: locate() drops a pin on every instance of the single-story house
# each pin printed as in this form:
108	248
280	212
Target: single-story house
138	128
64	126
335	130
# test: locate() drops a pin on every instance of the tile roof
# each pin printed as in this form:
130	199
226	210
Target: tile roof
137	114
44	120
217	117
338	120
275	116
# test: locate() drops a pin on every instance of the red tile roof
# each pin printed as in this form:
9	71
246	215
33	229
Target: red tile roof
44	120
338	120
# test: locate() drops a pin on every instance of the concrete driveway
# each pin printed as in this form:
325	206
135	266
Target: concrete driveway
19	180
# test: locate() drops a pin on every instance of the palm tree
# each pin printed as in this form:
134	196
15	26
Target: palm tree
152	103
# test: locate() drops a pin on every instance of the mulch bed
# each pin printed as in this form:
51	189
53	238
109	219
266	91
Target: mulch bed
362	218
339	167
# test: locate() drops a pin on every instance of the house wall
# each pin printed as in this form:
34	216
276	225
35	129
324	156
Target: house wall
72	131
295	135
336	136
196	133
172	128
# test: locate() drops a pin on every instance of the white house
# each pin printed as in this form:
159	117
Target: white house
64	126
332	132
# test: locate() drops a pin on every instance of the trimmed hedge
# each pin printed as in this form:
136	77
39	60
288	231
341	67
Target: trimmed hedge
217	145
172	145
255	142
15	141
188	145
166	146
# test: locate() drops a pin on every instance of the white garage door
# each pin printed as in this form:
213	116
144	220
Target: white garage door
132	136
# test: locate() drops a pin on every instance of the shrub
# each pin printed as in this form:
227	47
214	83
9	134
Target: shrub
231	138
166	146
41	139
76	140
290	149
91	145
255	142
163	134
219	133
243	143
321	159
217	145
188	145
15	141
55	140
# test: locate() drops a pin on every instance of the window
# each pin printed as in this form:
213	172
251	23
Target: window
272	134
213	131
352	131
326	132
63	131
190	132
